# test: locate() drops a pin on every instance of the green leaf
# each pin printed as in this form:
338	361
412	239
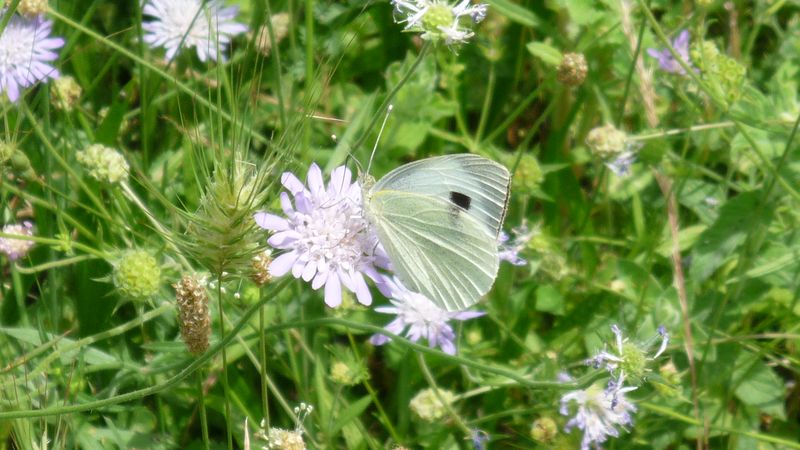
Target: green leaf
547	53
514	12
549	299
718	243
353	410
90	355
758	385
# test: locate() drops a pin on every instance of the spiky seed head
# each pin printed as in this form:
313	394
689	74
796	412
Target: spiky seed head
137	275
222	234
193	314
573	69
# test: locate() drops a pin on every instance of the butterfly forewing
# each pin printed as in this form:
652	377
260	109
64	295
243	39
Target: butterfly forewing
478	185
437	249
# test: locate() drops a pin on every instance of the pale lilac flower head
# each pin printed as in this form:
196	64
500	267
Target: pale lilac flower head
26	50
439	19
509	249
666	61
16	248
599	412
629	358
324	235
422	317
621	164
207	26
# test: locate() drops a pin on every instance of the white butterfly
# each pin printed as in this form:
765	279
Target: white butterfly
439	219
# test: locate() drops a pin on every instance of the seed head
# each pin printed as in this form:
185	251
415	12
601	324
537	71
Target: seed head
544	430
606	142
104	163
30	8
137	275
65	93
428	406
280	26
193	315
573	69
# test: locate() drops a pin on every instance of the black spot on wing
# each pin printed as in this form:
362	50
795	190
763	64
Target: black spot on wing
461	200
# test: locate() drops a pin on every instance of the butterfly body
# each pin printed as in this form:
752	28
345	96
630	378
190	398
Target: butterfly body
438	220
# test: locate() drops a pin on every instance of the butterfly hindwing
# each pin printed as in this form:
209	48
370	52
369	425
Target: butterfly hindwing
437	248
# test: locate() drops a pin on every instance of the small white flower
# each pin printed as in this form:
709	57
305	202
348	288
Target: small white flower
599	412
206	26
423	318
26	49
439	19
326	238
16	248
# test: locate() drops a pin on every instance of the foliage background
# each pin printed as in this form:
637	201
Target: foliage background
83	367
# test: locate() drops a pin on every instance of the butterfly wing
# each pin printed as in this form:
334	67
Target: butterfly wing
479	185
437	249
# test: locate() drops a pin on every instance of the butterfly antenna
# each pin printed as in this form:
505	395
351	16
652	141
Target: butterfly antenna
383	125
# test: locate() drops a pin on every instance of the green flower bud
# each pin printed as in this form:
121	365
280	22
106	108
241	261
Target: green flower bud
30	8
606	142
137	275
528	174
544	430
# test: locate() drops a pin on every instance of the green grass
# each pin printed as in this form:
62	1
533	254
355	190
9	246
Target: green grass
701	237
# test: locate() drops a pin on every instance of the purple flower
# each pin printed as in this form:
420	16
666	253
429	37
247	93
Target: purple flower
509	251
182	24
423	318
599	412
26	48
665	59
621	165
16	248
325	236
629	358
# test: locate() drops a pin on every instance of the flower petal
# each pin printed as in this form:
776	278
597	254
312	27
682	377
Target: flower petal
282	264
270	222
333	291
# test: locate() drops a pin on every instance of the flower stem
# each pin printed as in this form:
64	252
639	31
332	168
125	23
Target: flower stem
225	387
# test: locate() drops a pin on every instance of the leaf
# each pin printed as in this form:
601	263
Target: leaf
549	299
353	410
514	12
547	53
686	239
90	355
758	385
719	242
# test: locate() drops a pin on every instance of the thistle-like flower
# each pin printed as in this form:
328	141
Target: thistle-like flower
207	26
600	411
439	20
666	61
324	235
422	317
26	50
629	359
16	248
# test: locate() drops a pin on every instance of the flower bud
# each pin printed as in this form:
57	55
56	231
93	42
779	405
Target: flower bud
65	92
16	248
30	8
606	141
280	27
260	265
428	406
137	275
544	430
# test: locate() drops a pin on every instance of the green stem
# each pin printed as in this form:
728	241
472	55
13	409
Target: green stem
515	113
225	387
391	94
262	324
201	395
487	102
276	54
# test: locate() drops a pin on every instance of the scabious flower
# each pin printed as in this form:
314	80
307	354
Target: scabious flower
282	439
26	48
423	318
629	359
439	20
508	249
599	413
137	275
666	61
207	26
621	165
16	248
326	239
